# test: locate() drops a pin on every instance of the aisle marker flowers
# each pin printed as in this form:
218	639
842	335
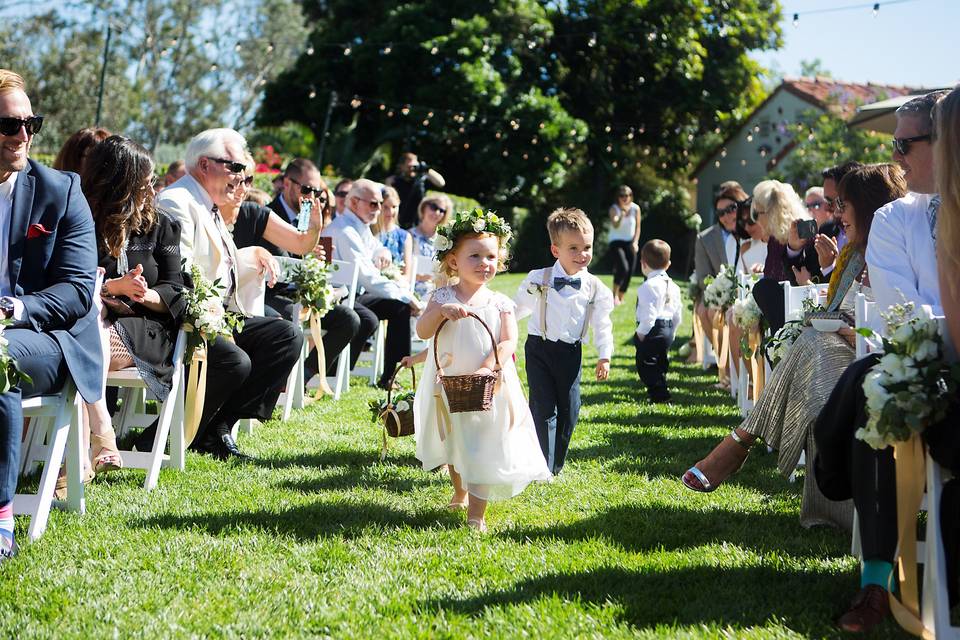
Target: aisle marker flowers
316	297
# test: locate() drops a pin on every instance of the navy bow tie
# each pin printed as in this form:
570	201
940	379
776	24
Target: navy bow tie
560	283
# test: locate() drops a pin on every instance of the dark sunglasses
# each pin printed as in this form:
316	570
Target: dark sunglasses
727	210
902	145
341	193
829	204
839	204
816	205
307	190
437	208
248	181
11	126
232	166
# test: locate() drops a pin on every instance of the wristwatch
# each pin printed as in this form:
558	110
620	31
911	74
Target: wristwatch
7	307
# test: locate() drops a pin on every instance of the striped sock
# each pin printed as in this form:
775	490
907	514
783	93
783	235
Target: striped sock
6	520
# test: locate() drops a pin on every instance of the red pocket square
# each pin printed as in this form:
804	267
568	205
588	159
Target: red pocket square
37	231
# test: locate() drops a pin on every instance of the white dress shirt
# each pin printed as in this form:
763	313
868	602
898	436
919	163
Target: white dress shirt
567	308
901	254
729	245
354	243
658	299
6	213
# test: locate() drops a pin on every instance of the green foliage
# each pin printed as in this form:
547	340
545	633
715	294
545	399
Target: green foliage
294	139
829	141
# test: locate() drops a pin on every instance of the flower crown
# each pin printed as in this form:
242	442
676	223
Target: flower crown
476	221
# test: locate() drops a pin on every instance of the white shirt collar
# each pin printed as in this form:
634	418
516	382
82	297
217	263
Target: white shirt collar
354	220
199	191
560	272
291	214
7	187
656	273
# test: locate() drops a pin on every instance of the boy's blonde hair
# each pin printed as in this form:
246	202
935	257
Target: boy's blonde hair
655	254
567	219
10	81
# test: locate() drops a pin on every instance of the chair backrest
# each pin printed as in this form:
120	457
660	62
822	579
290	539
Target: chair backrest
414	265
863	315
345	275
793	298
287	266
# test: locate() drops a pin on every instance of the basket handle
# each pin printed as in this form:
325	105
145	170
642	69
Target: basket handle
493	341
394	377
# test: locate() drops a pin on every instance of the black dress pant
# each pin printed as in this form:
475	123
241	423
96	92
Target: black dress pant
371	309
245	377
553	379
849	468
341	325
769	296
624	263
651	359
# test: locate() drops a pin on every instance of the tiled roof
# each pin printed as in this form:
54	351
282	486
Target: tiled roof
842	98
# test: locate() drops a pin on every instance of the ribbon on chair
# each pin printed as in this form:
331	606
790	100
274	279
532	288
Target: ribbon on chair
721	345
698	338
196	392
311	317
911	477
757	368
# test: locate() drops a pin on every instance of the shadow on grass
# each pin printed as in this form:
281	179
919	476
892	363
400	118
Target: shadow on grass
642	529
739	597
335	458
341	519
350	478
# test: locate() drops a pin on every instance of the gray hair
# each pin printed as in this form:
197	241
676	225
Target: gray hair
922	107
813	191
213	143
362	187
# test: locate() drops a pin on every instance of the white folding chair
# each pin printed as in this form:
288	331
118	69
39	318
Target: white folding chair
863	312
55	424
793	298
935	604
346	275
169	418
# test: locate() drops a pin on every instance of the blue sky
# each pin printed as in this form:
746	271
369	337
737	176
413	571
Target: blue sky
910	43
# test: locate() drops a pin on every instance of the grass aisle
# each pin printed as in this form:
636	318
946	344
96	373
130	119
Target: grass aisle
319	538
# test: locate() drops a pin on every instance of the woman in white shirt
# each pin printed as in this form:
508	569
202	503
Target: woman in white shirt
624	240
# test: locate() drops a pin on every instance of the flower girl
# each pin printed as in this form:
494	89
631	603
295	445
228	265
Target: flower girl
491	454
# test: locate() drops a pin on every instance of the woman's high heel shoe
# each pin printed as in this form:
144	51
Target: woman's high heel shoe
60	489
106	457
733	450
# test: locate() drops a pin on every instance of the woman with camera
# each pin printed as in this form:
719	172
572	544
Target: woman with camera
810	367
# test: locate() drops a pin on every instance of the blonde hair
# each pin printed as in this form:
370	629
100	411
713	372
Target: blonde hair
567	219
441	201
259	196
11	81
503	254
388	193
946	150
782	206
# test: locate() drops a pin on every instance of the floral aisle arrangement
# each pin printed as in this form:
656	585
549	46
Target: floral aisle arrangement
777	346
316	297
911	386
393	271
721	290
747	315
205	320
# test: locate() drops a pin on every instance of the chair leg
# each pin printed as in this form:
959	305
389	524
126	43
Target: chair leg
75	453
177	437
39	505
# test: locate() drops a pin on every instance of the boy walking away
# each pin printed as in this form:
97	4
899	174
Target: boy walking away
658	316
563	301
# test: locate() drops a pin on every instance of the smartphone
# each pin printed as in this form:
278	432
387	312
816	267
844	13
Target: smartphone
303	219
806	229
327	244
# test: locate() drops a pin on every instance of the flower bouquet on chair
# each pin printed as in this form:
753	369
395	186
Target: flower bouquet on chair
316	296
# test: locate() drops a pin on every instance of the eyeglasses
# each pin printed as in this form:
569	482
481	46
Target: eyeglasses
902	145
437	208
819	204
231	165
829	204
11	126
341	193
727	210
624	195
839	204
248	181
374	204
307	190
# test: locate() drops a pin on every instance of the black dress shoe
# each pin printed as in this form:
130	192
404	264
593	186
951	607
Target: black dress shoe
230	449
8	548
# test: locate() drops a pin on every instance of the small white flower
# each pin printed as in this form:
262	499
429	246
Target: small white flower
479	225
442	243
403	405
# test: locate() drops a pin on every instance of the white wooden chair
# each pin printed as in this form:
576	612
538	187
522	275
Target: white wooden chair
863	316
935	604
55	424
169	418
793	298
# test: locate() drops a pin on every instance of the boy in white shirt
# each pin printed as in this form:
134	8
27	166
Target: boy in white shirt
563	300
658	316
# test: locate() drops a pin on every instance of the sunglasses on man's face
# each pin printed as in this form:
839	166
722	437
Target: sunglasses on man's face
902	145
248	181
341	193
816	206
727	210
11	126
231	165
839	204
307	190
829	204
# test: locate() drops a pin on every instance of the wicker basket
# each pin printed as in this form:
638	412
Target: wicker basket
390	426
472	392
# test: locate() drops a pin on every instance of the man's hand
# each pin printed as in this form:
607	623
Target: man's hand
827	250
603	369
131	284
266	265
453	311
382	259
802	275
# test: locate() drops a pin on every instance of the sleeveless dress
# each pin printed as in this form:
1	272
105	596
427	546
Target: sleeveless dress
496	452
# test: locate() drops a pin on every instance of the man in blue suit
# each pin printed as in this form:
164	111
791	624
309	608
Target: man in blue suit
48	264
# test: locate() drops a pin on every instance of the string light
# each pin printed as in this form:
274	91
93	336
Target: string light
312	94
592	42
309	51
876	9
796	20
347	51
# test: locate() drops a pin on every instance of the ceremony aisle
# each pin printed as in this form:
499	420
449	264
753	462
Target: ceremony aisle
318	538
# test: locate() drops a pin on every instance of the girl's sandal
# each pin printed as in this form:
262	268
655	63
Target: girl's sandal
460	505
107	457
695	480
477	523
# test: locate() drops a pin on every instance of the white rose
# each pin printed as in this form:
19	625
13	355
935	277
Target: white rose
403	405
903	333
872	437
926	350
893	365
479	225
442	243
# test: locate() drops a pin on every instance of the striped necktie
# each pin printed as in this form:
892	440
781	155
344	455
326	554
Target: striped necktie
932	211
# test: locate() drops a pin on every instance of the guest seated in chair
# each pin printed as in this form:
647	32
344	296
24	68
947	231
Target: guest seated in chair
47	279
246	375
141	299
784	415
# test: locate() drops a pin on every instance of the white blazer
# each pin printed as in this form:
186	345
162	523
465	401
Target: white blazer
188	202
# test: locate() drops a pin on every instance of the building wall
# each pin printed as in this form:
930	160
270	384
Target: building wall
742	161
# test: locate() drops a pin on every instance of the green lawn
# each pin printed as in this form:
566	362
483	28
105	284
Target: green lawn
319	538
